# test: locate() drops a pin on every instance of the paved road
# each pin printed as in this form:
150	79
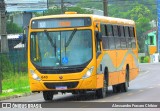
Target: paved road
145	88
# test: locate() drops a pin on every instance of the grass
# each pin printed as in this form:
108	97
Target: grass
13	84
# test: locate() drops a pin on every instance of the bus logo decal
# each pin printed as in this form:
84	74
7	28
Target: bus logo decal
60	77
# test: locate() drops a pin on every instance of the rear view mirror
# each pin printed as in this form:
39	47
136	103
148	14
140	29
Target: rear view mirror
99	36
23	37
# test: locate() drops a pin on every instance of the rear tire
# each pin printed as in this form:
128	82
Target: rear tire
47	95
116	88
123	87
126	84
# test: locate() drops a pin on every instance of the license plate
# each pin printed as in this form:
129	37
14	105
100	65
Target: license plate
61	87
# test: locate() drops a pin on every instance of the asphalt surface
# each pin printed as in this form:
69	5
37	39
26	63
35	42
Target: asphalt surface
145	88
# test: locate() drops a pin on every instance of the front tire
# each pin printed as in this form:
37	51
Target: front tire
47	95
101	93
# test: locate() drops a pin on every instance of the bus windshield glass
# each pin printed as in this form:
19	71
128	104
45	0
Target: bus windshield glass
61	48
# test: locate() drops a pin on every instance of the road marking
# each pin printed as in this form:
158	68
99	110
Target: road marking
146	72
117	97
151	87
102	101
130	94
85	106
140	90
37	100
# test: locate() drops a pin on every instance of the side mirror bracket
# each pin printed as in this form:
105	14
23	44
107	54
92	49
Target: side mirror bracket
99	36
24	35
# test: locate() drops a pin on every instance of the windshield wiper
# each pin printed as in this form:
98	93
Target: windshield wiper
50	40
70	38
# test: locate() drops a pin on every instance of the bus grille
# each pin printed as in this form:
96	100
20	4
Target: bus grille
66	84
60	71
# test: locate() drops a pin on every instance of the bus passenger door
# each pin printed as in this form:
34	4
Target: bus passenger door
99	57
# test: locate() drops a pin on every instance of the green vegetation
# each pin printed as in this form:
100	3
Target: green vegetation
57	10
13	28
17	82
89	4
141	11
14	81
14	84
144	59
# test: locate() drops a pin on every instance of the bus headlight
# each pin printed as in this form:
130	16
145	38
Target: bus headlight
34	75
88	73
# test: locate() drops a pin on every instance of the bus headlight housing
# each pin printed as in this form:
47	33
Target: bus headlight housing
34	75
88	73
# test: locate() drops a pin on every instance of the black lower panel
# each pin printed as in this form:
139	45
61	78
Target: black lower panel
59	84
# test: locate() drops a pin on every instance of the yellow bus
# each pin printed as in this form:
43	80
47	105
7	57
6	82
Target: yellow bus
81	52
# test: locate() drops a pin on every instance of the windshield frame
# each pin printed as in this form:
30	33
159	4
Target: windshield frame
60	67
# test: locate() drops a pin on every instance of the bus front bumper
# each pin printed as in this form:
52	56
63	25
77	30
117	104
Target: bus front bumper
82	84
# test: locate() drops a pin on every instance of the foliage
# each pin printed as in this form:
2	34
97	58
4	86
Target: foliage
14	76
144	59
15	84
138	12
13	28
79	10
5	63
57	10
89	4
9	82
9	67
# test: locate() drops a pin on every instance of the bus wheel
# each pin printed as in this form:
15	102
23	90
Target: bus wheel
126	84
116	88
47	95
101	93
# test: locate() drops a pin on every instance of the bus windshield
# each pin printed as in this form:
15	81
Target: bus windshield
61	48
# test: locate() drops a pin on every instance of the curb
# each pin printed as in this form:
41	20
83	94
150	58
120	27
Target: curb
16	96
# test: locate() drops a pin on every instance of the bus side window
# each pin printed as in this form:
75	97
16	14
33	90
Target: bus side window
132	36
103	29
123	39
98	46
109	30
118	39
105	40
128	39
115	30
111	37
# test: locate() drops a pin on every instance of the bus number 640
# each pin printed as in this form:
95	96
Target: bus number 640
44	77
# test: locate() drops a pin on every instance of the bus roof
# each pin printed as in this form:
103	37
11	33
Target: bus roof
97	18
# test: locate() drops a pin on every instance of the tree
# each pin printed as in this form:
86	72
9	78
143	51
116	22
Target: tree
79	10
13	28
142	16
57	10
140	13
93	4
